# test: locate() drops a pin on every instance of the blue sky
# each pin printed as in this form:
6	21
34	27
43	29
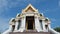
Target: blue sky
10	8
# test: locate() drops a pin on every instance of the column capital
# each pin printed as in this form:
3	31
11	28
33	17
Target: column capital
16	20
43	19
36	16
23	17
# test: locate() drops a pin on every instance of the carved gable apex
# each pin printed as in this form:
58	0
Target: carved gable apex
29	8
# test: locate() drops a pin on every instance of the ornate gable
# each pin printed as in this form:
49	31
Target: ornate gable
29	8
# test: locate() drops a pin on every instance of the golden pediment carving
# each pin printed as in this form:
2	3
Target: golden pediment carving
30	8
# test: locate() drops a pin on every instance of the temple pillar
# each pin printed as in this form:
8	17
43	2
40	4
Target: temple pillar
44	28
10	28
22	28
49	26
16	26
37	24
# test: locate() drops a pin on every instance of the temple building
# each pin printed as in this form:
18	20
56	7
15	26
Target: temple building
30	21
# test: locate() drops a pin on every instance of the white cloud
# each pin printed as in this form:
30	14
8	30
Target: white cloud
53	19
3	5
4	24
59	3
6	4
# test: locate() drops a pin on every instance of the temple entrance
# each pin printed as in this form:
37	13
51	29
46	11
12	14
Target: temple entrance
30	22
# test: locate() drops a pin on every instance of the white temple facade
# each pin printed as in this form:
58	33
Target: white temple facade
30	19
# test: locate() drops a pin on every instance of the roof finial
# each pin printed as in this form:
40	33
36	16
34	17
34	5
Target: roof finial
29	4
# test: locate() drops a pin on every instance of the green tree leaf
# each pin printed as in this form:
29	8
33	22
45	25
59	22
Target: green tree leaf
57	29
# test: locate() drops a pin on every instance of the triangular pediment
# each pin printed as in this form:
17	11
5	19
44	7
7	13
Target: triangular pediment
30	8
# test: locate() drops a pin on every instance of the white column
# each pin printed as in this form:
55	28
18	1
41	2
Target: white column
22	28
37	24
49	26
16	26
43	22
10	28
